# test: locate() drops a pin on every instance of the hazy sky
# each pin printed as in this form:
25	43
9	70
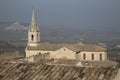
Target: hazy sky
69	13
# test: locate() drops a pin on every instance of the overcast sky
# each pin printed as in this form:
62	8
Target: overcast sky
68	13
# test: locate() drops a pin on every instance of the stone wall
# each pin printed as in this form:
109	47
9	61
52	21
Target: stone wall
64	53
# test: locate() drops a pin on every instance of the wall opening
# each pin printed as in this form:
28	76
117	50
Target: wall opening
100	56
84	56
92	56
32	37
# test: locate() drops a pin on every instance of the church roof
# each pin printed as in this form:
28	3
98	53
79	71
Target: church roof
74	47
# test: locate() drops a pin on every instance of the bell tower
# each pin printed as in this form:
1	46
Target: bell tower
33	32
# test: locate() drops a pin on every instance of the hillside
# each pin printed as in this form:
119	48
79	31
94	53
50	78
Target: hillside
58	34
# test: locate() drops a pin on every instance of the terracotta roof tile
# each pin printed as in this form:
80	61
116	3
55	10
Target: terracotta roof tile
39	71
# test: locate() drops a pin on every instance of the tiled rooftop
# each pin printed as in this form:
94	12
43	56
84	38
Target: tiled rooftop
40	71
10	56
74	47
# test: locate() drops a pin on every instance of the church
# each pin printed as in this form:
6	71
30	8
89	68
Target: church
76	51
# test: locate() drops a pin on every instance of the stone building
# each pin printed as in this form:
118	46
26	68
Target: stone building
79	51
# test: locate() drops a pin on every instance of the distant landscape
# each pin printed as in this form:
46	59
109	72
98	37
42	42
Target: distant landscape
16	31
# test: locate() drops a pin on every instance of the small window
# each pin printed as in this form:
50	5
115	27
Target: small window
64	49
84	56
100	56
39	53
32	37
92	56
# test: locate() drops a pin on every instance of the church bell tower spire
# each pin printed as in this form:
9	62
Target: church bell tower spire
33	32
33	26
33	22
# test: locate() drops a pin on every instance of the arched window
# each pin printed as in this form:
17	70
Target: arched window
92	56
84	56
100	56
32	37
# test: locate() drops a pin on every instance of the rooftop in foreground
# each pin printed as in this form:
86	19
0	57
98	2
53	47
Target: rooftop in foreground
40	71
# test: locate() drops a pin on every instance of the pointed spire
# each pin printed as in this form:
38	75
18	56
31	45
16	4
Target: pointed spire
33	26
33	22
